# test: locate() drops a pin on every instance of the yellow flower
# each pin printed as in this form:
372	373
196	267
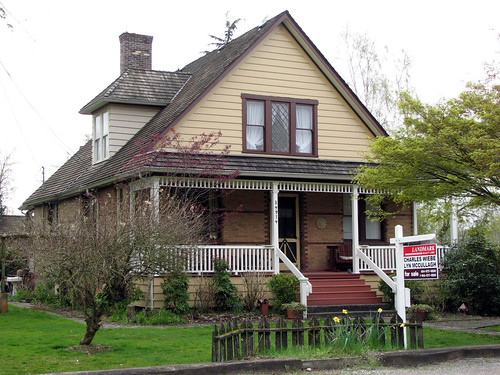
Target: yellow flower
336	320
379	310
402	325
344	311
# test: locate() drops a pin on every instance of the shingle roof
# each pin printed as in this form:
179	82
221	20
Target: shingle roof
278	167
138	86
192	82
11	226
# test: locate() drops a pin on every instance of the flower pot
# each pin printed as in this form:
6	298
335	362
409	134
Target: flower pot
3	303
422	315
292	314
264	307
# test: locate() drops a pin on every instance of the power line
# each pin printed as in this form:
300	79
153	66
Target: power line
64	146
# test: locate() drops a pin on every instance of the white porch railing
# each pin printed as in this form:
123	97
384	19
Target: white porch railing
239	258
385	257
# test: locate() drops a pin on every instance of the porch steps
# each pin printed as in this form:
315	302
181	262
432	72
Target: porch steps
333	291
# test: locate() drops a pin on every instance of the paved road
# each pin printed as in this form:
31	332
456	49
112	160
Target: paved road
479	366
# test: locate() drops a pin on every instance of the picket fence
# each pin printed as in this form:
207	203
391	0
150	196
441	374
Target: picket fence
232	341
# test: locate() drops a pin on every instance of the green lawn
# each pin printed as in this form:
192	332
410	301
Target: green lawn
36	342
492	328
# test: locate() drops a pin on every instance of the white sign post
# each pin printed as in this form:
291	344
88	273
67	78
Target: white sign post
400	295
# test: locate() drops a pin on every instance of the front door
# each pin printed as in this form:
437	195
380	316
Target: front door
288	228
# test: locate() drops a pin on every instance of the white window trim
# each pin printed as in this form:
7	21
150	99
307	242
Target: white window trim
101	152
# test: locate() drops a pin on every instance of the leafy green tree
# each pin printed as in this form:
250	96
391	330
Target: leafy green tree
450	150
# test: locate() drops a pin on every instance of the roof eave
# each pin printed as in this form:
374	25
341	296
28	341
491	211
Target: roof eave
92	107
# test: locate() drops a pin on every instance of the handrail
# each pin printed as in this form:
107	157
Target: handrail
305	285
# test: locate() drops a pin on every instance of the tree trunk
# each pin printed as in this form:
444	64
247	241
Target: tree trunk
93	325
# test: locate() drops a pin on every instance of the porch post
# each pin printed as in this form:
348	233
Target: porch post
454	223
274	227
415	219
355	229
154	196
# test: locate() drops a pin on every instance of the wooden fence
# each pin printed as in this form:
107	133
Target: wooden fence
236	341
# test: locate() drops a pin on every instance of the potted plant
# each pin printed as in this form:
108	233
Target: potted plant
420	310
285	289
294	309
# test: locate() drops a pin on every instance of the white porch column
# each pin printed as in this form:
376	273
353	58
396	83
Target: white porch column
355	228
454	223
154	197
274	226
415	219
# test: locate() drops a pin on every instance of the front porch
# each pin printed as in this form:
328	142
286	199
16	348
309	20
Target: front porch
290	226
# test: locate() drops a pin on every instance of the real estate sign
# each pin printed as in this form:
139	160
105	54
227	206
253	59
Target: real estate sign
420	262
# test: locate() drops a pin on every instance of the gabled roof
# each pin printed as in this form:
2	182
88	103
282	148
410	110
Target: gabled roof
193	81
138	86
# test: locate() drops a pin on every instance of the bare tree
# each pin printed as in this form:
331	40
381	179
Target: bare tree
94	256
376	80
5	176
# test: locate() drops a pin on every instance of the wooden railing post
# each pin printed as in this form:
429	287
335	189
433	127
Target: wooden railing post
236	340
229	348
215	345
222	345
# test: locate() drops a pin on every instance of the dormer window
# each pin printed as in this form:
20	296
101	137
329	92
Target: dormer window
101	136
275	125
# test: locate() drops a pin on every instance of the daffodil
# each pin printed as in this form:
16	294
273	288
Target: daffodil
402	325
336	320
379	310
344	311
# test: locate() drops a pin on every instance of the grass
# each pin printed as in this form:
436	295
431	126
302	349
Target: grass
492	328
36	342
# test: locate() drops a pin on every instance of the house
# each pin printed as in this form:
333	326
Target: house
296	135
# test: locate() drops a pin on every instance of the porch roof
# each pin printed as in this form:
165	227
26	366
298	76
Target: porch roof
250	166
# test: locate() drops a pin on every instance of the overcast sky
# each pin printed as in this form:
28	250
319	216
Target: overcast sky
61	53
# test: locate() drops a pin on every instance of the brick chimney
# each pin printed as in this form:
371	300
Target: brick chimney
135	51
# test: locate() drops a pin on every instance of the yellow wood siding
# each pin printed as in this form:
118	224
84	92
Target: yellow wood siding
124	121
279	67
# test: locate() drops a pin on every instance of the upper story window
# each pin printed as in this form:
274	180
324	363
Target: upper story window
101	136
280	125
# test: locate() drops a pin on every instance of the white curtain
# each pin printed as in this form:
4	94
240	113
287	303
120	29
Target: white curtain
303	133
255	125
373	227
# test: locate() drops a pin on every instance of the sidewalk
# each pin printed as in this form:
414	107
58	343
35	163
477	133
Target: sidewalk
467	325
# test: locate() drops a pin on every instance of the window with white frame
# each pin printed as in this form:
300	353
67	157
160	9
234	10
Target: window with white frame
101	136
275	125
370	229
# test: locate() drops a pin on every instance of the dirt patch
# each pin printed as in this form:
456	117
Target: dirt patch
89	349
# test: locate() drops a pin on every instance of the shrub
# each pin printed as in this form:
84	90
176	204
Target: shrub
203	294
225	293
175	288
253	289
45	294
158	317
415	287
472	275
285	288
